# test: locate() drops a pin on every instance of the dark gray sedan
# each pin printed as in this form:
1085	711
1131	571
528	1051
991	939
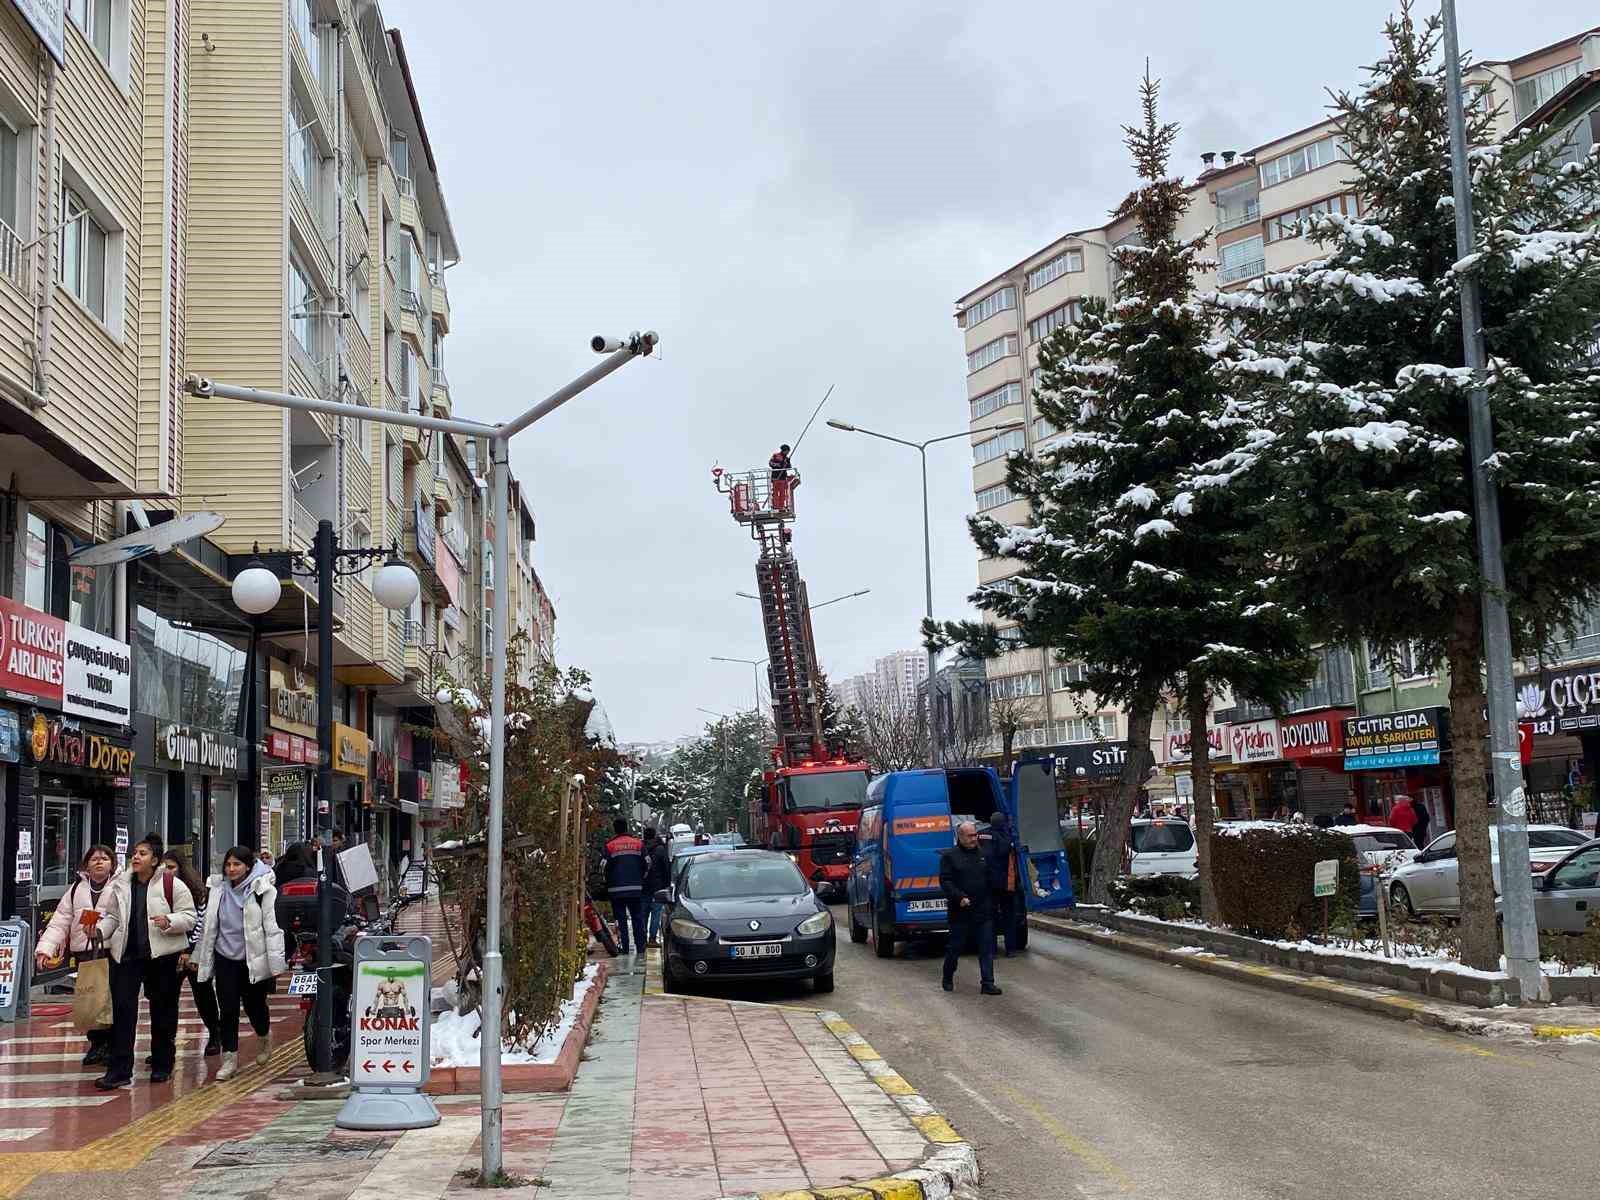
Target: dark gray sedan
1568	894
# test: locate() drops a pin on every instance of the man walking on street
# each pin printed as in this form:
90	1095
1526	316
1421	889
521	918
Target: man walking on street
999	851
964	879
657	877
624	862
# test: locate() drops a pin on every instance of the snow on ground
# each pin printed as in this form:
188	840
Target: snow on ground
455	1038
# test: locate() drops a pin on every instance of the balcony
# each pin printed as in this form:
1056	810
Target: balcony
1248	269
302	526
441	387
1235	216
441	299
13	257
420	533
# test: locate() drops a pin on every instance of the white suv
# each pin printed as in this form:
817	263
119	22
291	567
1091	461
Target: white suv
1162	846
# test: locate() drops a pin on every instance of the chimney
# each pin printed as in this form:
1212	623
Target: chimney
1209	158
1227	157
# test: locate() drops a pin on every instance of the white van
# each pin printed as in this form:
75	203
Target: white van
1163	846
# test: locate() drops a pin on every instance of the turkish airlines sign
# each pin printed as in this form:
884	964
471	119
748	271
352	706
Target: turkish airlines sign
81	672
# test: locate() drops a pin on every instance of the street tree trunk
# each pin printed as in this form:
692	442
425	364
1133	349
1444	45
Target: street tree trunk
1111	840
1205	815
1469	774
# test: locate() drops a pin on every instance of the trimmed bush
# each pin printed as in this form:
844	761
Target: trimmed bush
1169	897
1263	877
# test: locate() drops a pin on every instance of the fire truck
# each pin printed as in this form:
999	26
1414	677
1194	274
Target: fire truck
811	794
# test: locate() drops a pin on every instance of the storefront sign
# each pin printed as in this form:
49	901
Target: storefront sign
1312	735
60	742
15	959
1087	760
10	736
47	19
351	751
284	783
446	784
24	856
449	574
97	677
1411	738
1561	701
291	699
1255	741
180	746
291	748
1216	737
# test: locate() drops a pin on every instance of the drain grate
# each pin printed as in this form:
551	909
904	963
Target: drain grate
287	1152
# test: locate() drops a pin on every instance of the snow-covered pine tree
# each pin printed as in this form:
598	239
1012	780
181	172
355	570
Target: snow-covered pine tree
1156	590
1359	433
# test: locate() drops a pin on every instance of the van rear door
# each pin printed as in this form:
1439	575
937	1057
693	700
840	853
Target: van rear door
1031	797
916	829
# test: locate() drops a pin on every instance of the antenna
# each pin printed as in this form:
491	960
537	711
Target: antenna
814	413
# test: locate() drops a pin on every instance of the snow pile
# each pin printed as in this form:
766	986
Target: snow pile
598	726
454	1040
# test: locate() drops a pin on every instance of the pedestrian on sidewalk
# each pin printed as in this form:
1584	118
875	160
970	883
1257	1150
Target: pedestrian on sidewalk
1419	832
1000	852
145	918
242	951
67	933
657	878
1404	817
964	879
624	863
205	996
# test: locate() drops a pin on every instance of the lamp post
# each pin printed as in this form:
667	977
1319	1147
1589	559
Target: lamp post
618	351
755	665
256	590
927	543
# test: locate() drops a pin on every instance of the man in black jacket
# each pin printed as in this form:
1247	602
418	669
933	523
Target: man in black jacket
999	850
624	859
964	879
657	877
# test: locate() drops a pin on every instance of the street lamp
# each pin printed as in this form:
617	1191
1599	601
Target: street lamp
618	352
755	665
814	607
927	544
256	591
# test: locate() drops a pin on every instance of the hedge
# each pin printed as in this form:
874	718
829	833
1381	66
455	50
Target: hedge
1263	876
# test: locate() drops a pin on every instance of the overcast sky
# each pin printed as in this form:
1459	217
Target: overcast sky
793	196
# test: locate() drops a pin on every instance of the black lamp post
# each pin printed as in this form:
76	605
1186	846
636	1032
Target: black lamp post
256	590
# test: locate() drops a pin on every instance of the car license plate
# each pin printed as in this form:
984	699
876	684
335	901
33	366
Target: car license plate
303	983
925	906
758	950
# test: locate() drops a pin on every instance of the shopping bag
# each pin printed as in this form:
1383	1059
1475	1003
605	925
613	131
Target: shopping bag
91	996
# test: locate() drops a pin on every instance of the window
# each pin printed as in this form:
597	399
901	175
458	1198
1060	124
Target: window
1001	397
993	303
1009	635
305	156
10	180
1297	162
994	497
84	264
305	312
1083	729
1582	870
1238	205
388	247
394	472
1404	661
410	376
1014	687
93	17
1162	837
1533	91
991	352
309	36
1044	428
1065	263
1177	723
360	180
1066	674
1241	260
1069	313
998	447
1287	225
400	155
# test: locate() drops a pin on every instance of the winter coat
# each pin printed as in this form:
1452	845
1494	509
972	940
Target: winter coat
998	847
65	930
657	868
963	874
116	900
263	940
624	859
1403	816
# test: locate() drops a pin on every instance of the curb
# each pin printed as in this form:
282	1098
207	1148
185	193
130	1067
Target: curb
1386	1003
531	1077
948	1162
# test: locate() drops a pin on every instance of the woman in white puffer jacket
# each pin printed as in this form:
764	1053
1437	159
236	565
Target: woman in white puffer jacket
241	951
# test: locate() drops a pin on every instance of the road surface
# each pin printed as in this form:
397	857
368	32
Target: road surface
1104	1074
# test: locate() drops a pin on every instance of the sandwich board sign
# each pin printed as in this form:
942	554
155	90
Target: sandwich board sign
16	962
390	1020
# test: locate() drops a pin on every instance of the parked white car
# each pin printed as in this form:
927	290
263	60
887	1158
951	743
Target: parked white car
1430	882
1161	846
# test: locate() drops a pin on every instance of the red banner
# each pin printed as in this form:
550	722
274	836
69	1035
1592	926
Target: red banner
1313	734
32	651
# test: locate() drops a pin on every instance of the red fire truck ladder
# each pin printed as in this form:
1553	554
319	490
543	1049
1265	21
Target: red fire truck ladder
767	507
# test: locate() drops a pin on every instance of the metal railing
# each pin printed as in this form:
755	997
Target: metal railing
440	382
1244	270
13	257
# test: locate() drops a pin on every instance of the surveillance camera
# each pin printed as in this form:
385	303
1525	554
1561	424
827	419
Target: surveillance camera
601	344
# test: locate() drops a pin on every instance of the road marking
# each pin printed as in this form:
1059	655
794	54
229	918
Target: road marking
55	1101
979	1099
19	1133
1075	1145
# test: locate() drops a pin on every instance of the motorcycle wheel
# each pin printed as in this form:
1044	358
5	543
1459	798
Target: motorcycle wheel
341	1033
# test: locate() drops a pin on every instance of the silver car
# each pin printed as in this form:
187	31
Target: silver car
1430	883
1567	895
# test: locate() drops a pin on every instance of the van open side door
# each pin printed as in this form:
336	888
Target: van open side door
1045	877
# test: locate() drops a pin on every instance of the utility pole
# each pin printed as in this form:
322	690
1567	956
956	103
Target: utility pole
1521	928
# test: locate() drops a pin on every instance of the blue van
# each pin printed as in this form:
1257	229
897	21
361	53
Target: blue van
910	818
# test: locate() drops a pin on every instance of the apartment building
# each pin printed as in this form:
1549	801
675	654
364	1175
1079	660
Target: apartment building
895	679
1246	202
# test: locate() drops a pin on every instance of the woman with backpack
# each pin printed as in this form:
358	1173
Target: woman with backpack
145	916
67	933
205	996
241	951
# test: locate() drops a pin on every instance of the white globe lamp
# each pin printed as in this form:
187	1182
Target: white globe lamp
396	585
256	589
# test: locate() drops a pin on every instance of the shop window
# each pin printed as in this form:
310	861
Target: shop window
63	841
79	595
183	673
